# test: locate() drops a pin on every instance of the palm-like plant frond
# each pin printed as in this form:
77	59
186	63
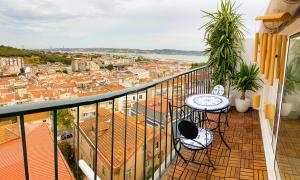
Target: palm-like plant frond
224	35
247	79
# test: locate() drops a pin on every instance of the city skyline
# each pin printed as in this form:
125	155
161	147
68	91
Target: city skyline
124	24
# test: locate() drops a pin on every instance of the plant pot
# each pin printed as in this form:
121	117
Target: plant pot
242	105
286	109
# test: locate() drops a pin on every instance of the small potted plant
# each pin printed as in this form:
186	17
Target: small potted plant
246	80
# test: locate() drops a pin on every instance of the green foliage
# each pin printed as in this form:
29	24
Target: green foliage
78	55
34	57
66	150
149	171
247	79
292	76
110	67
14	119
290	85
64	119
69	156
7	51
224	34
44	58
196	65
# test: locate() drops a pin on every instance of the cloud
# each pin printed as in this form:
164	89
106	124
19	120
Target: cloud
111	23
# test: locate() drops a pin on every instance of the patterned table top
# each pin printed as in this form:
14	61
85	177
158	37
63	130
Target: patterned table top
209	102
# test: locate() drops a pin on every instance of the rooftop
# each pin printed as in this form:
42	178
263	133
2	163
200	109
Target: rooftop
105	131
40	156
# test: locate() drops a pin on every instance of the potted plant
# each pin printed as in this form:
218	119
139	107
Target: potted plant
224	36
289	89
247	79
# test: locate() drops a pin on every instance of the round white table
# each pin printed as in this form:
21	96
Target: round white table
207	103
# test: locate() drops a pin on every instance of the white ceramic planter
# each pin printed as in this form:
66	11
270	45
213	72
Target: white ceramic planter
242	105
286	109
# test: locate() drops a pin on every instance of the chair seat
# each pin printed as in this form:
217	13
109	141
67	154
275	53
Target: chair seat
201	137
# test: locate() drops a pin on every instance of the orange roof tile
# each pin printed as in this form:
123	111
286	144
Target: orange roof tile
36	94
4	90
112	87
35	116
68	84
33	88
160	102
104	137
9	132
40	156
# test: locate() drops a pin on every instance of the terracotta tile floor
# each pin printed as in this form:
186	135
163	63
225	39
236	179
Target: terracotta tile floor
246	160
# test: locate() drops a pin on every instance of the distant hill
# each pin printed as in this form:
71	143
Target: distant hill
125	50
34	56
7	51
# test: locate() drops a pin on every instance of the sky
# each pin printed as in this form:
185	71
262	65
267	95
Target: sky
142	24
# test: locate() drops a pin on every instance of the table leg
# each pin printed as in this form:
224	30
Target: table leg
221	133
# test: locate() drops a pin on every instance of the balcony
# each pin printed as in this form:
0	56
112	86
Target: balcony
246	160
116	136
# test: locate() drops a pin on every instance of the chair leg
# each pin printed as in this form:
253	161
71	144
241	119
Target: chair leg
226	118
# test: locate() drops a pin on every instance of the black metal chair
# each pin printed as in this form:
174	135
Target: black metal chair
189	136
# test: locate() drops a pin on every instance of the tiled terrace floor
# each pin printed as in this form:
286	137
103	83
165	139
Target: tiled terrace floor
246	160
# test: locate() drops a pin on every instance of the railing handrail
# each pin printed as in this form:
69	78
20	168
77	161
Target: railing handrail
34	107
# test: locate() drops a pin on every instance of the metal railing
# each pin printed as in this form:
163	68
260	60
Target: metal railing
155	109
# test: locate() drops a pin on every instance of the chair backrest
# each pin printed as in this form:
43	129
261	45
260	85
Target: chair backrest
188	129
218	90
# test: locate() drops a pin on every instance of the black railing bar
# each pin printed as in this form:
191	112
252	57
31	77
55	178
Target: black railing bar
112	140
153	141
55	143
166	127
145	138
171	124
197	82
77	153
125	137
33	107
160	120
96	141
136	132
184	94
177	106
192	82
188	84
202	84
22	126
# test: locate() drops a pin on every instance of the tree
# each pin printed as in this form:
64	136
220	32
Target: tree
110	67
64	119
67	151
14	119
196	65
69	156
